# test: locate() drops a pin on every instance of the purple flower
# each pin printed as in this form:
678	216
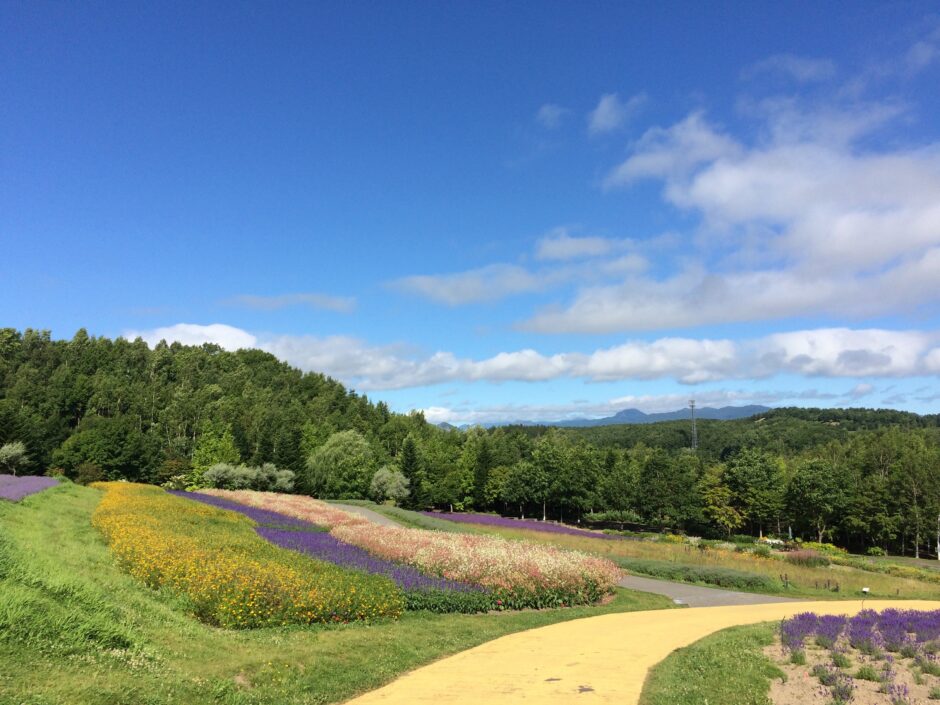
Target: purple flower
793	631
264	517
312	540
325	547
14	488
828	629
528	524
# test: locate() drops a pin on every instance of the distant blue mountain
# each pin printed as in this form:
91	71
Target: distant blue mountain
725	413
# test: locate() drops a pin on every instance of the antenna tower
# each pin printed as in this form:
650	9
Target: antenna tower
694	430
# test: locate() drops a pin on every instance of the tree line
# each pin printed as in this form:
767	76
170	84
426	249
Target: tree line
95	408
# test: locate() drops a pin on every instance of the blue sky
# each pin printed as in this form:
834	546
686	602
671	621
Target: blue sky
489	211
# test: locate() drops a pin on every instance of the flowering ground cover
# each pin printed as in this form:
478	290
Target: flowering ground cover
421	591
518	574
528	524
873	658
230	576
14	488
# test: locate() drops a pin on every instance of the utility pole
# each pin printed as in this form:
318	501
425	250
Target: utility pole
694	431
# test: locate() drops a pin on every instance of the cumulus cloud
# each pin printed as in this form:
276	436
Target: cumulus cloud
338	304
227	337
826	352
800	68
550	116
825	226
612	113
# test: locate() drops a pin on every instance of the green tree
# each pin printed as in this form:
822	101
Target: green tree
411	466
756	480
13	456
342	468
718	500
389	483
815	496
215	444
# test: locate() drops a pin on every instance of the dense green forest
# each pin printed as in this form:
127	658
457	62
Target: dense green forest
98	408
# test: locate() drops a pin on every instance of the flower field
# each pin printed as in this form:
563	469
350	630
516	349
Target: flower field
14	488
527	524
421	591
231	577
887	657
517	574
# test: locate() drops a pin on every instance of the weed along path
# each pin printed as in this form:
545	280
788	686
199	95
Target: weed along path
601	659
697	596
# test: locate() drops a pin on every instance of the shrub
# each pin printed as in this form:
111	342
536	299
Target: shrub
840	660
826	548
244	477
709	575
868	673
762	551
230	576
808	559
875	551
86	473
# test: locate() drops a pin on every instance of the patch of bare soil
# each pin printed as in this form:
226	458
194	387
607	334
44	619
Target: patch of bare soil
901	681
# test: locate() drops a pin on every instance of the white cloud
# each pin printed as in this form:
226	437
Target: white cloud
611	113
550	116
799	68
826	352
227	337
820	225
559	245
339	304
488	283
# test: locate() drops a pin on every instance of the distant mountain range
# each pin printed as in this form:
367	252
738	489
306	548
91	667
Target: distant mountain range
724	413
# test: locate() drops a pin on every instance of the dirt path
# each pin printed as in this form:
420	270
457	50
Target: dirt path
367	513
601	659
695	596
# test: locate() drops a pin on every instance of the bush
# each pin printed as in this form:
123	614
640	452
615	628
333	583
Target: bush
807	559
762	551
266	478
826	548
709	575
875	551
86	473
230	576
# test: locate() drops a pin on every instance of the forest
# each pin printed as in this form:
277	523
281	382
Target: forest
94	408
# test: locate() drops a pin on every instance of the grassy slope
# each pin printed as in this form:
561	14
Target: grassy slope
75	629
726	668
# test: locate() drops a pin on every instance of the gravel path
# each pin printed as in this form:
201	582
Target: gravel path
601	659
695	596
367	513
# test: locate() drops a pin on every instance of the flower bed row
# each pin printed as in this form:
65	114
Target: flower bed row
517	574
893	655
231	576
14	488
421	591
527	524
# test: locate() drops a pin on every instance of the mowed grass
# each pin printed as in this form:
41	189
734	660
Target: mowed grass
803	581
76	629
725	668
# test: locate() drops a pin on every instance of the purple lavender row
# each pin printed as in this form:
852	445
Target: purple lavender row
528	524
891	629
14	488
325	547
261	516
304	537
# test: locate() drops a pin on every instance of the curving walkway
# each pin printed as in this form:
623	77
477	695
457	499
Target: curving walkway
696	595
601	659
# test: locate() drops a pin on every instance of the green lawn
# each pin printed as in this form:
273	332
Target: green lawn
75	629
725	668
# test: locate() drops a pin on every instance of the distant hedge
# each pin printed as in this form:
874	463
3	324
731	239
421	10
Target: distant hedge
720	577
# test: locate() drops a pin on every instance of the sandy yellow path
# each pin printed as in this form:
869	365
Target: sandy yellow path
595	660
